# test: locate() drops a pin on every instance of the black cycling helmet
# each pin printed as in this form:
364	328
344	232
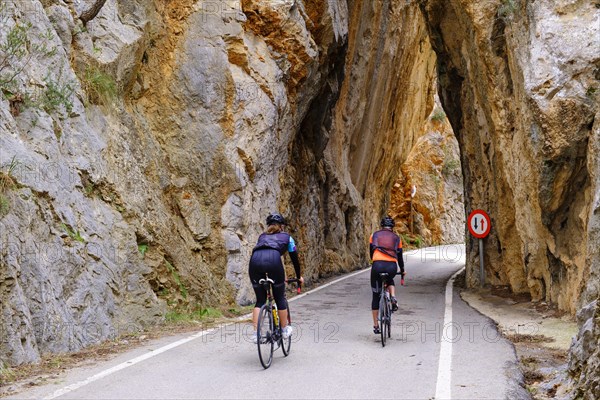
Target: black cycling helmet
275	218
387	222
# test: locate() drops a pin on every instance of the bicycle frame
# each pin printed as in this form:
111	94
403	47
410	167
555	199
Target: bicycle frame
272	308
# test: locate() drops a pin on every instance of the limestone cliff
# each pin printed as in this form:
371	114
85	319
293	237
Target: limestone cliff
347	153
518	81
433	169
141	174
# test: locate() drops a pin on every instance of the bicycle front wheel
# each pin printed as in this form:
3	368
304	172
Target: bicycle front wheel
389	320
264	335
286	344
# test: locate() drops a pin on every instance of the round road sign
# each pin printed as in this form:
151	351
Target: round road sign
479	224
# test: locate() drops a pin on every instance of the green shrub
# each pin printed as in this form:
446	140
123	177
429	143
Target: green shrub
418	241
7	182
16	53
56	95
7	175
12	51
450	166
177	279
73	234
4	205
142	248
7	374
507	9
438	115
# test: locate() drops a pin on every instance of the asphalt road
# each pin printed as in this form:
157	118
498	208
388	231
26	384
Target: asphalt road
334	352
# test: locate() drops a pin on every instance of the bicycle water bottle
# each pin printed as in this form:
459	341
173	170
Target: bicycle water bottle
275	317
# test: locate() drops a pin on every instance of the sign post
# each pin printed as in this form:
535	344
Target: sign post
413	192
479	224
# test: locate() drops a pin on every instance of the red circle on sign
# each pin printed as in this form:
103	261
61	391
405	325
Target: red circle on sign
483	225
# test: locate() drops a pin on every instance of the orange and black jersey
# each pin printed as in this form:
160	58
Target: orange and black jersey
385	245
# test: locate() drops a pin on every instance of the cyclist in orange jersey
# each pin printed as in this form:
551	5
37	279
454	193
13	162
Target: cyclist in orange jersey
386	253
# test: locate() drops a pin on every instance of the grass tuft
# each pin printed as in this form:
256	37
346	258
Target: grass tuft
100	87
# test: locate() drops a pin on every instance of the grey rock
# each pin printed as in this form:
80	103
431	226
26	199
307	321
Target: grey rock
197	221
584	360
63	23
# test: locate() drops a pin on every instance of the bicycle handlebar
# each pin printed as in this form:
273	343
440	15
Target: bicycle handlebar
298	290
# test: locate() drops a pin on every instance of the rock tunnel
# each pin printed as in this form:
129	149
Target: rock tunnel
528	139
225	111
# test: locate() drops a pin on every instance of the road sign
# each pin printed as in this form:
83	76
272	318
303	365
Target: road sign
479	224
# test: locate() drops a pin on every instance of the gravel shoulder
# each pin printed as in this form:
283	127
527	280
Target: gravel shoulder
540	333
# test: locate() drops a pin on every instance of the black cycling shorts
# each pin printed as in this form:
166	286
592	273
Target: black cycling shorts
268	261
390	267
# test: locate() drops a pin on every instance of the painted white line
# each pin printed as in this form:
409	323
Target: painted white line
154	353
343	278
443	387
126	364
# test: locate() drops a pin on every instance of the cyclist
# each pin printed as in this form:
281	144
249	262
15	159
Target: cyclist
386	253
266	258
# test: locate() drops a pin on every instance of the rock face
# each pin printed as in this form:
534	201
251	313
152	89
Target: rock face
351	148
584	359
528	135
146	181
519	81
433	168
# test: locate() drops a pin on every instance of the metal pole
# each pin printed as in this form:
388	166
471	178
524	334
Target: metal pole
481	271
412	216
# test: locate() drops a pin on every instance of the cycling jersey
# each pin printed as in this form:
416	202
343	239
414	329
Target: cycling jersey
266	259
281	242
385	245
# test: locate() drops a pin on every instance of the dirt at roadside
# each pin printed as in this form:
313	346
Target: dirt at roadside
540	333
544	368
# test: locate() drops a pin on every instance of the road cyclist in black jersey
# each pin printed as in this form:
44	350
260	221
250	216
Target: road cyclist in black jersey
266	259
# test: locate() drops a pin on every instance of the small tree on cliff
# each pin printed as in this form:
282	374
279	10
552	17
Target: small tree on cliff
91	12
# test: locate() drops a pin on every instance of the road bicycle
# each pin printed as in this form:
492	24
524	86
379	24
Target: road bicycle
385	309
269	333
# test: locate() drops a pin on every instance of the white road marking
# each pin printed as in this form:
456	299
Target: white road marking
126	364
136	360
329	284
443	387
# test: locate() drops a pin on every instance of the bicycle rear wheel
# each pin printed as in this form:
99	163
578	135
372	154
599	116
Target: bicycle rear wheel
286	344
264	335
383	318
